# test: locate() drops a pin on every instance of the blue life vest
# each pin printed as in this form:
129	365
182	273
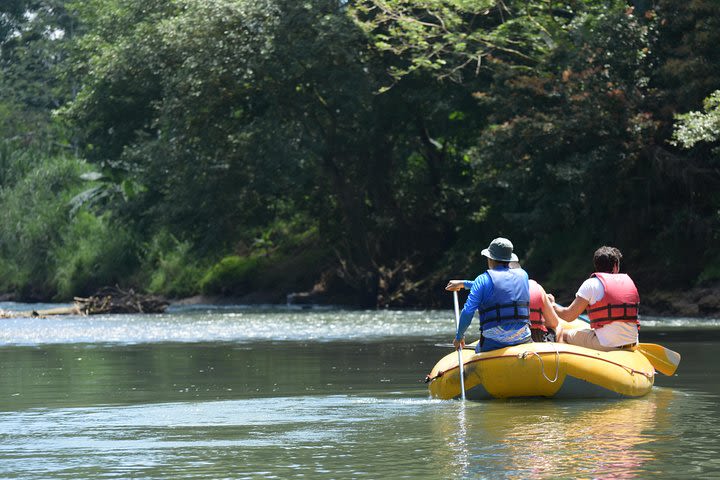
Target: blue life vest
510	300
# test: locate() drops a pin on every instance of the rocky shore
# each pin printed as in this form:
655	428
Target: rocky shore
701	302
696	302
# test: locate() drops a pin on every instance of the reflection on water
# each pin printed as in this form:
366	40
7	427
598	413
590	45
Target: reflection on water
600	440
634	438
315	437
452	434
385	436
140	406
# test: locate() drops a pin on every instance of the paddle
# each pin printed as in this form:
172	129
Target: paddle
662	359
459	350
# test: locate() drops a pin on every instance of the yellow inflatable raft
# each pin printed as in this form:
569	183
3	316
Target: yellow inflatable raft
555	370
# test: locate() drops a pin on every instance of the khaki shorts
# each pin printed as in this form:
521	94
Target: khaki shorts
586	338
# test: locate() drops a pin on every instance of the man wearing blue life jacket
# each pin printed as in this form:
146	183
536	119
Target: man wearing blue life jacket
502	297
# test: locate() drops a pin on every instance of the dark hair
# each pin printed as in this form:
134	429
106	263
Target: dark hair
606	258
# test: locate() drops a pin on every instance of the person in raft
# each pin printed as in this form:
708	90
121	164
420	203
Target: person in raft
543	319
502	297
612	302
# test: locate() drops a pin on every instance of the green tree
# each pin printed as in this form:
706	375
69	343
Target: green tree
695	127
700	132
231	115
33	38
403	135
558	90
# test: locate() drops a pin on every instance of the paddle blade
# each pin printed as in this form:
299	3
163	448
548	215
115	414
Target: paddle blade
662	359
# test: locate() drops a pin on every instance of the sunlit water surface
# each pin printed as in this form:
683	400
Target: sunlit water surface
233	392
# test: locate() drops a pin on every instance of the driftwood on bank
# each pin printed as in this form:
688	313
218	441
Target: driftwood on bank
106	300
116	300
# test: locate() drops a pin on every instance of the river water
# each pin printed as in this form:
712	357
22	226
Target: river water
238	392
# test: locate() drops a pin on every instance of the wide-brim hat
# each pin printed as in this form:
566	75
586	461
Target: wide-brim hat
500	250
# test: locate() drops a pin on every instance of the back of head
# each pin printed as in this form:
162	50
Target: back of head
494	263
606	258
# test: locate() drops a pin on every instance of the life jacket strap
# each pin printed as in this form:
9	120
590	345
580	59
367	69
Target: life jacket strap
596	315
536	319
499	317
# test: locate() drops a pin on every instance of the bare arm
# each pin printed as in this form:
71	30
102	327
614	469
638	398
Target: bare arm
551	318
576	308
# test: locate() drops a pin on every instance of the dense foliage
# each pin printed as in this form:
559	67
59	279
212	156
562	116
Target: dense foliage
363	150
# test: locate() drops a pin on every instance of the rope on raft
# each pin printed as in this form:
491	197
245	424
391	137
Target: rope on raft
542	364
630	370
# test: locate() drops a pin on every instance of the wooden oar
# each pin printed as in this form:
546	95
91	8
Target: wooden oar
459	350
662	359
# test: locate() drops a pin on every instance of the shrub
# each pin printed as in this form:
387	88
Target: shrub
711	272
93	253
174	270
34	213
232	275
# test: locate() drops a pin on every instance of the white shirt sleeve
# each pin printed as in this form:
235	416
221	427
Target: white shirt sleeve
591	290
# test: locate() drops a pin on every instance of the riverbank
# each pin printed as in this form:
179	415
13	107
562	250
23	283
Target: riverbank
700	302
695	302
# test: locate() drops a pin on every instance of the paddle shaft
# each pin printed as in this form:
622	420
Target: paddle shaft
459	350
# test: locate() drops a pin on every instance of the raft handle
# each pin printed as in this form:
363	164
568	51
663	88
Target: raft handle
524	355
429	379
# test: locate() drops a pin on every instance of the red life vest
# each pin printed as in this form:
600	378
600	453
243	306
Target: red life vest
537	321
620	302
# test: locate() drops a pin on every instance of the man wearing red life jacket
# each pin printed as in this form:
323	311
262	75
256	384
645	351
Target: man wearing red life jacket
612	302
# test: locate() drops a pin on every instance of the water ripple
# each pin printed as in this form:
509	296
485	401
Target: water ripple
248	324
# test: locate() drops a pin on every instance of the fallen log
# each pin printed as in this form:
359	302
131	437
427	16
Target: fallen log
73	310
116	300
106	300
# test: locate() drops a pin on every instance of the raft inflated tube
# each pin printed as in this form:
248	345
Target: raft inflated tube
556	370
